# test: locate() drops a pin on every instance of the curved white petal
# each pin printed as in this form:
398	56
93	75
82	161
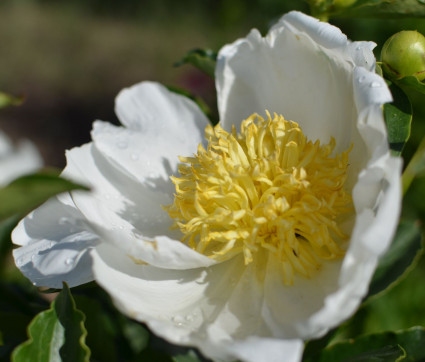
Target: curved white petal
159	125
205	307
126	213
55	242
17	161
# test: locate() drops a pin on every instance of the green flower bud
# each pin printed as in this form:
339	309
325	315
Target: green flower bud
403	54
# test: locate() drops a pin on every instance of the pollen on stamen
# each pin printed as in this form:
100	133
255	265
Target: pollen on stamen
267	190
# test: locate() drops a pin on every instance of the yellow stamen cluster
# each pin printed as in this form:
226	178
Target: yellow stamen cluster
265	189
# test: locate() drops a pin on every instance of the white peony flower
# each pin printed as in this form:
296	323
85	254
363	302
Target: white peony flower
17	161
281	234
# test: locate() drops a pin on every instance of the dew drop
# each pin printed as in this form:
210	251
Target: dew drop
121	227
358	48
122	145
178	320
362	79
189	318
134	156
375	85
69	261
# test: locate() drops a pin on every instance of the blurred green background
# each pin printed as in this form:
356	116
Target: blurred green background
70	59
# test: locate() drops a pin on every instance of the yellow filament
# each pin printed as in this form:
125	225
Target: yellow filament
265	189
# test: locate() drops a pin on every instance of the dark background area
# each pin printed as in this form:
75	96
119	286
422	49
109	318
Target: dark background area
70	58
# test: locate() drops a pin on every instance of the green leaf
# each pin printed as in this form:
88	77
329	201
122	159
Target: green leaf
27	192
402	255
405	345
387	9
412	82
313	347
6	228
203	59
188	357
398	117
415	167
9	100
57	334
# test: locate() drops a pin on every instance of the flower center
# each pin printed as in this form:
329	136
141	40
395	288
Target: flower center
266	189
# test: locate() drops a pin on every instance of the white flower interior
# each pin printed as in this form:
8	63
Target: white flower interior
265	191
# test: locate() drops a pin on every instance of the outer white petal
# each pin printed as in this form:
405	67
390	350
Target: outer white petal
159	126
17	161
127	213
55	241
205	307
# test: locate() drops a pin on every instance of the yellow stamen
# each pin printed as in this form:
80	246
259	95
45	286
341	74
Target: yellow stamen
266	189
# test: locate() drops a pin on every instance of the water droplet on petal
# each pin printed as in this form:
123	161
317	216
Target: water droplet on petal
134	156
362	78
121	227
375	85
69	261
178	320
358	47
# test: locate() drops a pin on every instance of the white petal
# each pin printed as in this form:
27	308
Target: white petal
161	125
17	161
128	214
55	242
197	307
174	303
255	349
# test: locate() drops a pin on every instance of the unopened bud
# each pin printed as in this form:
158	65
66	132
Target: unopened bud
403	55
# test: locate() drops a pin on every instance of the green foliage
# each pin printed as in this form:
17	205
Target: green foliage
203	59
398	117
57	334
27	192
402	255
189	357
405	345
412	82
9	100
415	168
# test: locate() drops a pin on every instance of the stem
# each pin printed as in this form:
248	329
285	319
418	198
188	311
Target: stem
416	165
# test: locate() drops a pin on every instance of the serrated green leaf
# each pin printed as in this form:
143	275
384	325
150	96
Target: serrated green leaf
388	346
203	59
27	192
401	256
398	117
57	334
9	100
